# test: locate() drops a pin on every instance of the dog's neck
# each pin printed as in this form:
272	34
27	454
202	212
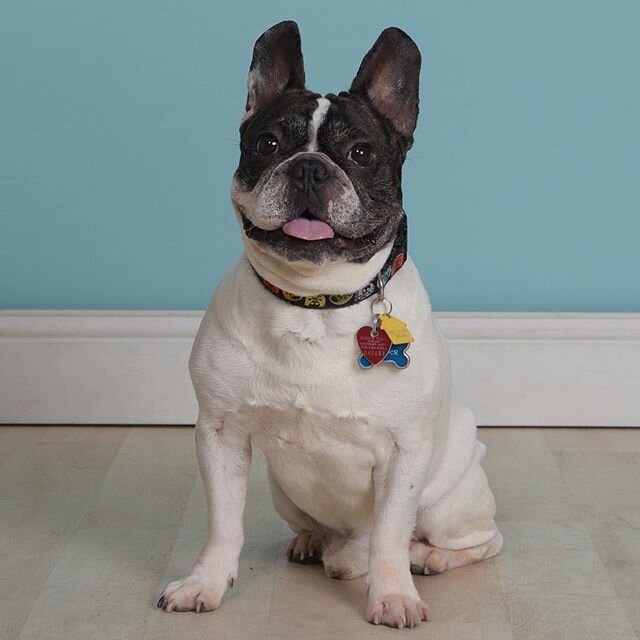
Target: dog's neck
309	279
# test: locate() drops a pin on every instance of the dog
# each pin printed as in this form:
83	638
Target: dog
304	351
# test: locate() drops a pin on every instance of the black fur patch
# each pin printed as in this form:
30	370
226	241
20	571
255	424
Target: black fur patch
288	117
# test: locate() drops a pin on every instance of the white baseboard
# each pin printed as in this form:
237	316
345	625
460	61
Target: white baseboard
91	367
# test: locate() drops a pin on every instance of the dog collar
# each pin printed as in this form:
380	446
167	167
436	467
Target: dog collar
397	257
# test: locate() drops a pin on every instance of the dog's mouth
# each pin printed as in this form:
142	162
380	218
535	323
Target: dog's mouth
308	227
304	229
306	237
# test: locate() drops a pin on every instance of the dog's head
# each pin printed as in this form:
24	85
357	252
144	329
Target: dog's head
319	177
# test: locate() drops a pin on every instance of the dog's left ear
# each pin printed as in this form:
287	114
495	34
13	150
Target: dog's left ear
276	66
389	77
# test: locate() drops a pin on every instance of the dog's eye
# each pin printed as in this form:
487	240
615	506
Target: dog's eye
267	144
361	154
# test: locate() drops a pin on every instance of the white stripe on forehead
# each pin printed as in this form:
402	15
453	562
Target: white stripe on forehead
316	120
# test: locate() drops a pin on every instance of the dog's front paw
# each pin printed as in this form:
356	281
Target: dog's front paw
193	593
397	610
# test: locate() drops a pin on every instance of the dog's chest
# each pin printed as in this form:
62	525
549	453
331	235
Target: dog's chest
306	394
304	378
292	374
301	382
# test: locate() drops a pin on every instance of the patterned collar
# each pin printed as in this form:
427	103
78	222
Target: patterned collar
396	259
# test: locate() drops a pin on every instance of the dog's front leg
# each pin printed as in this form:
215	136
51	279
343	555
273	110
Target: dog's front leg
224	455
393	597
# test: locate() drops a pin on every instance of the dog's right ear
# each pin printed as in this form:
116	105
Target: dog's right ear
276	66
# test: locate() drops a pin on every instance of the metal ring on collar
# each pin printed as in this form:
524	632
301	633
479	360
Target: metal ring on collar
384	302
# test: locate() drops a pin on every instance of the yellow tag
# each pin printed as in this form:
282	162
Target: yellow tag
396	329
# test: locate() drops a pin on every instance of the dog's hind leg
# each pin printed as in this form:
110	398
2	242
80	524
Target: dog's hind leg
429	560
458	529
307	545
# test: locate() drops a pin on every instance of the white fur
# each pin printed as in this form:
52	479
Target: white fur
317	119
365	458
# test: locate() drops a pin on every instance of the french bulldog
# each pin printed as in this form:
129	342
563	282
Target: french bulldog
374	464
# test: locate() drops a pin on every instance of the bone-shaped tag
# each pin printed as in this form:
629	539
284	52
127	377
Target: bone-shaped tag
397	356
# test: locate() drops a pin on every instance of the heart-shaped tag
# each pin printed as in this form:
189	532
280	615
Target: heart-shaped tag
374	347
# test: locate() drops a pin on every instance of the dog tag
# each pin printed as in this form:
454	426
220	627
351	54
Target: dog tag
374	345
397	356
397	330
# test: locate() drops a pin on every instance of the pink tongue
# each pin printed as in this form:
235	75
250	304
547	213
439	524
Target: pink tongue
308	229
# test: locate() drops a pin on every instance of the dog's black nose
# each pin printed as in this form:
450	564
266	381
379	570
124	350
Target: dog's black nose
308	172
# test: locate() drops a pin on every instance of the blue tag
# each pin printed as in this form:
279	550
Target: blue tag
397	356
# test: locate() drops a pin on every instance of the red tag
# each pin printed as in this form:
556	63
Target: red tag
374	347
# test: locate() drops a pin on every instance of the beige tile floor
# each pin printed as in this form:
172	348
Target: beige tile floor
94	521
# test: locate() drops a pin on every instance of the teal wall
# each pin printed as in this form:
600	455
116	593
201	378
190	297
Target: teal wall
118	139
